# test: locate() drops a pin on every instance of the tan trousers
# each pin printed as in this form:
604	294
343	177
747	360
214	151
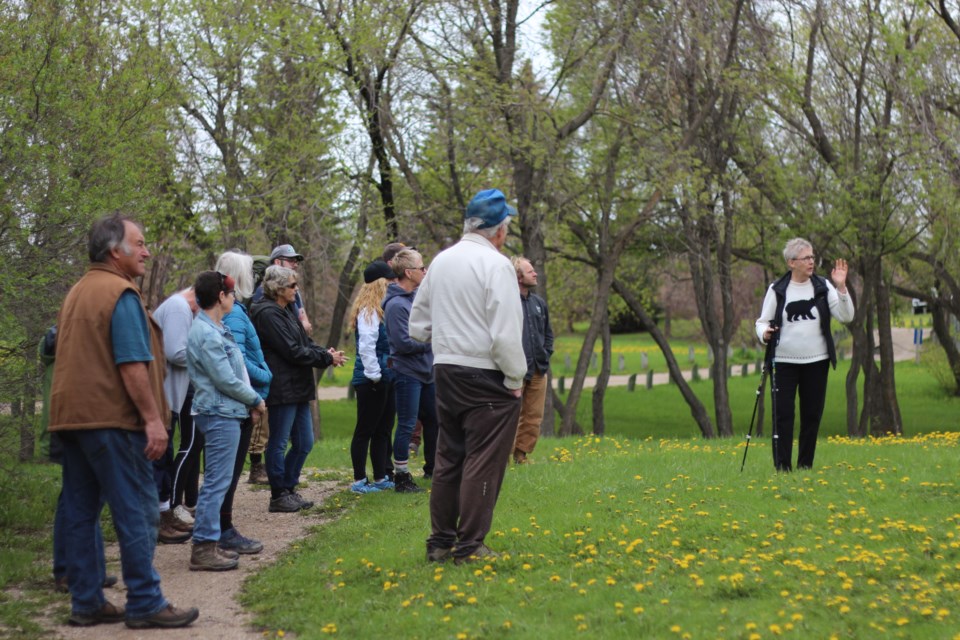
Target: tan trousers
531	413
260	434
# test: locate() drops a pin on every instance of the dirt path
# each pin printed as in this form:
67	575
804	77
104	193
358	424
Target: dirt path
215	594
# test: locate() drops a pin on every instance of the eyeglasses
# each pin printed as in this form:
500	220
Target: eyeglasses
420	269
806	259
291	285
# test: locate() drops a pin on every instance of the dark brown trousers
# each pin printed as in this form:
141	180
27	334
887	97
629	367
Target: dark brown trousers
478	421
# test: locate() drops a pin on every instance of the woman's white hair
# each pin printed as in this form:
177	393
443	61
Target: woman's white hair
795	247
275	278
238	266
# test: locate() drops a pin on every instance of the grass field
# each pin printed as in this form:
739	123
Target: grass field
624	538
650	531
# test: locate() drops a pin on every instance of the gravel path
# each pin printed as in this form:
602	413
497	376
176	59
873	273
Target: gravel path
214	593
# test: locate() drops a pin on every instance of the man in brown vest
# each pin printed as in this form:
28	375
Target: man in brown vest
107	403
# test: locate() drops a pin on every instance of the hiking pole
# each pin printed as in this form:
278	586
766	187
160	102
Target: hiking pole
763	382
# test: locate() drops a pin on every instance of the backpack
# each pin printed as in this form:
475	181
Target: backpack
260	264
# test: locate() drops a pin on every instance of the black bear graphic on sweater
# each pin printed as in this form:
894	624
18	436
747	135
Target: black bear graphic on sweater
800	310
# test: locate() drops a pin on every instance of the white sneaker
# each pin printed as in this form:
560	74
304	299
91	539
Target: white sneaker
182	514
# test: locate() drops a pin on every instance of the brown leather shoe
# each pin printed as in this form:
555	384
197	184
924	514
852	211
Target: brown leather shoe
168	618
168	535
258	474
170	519
108	613
483	553
206	557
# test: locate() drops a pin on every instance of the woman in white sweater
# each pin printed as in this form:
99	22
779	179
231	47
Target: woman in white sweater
796	318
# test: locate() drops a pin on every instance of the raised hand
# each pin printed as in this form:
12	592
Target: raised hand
839	275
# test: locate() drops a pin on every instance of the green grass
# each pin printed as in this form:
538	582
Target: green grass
623	538
662	412
651	436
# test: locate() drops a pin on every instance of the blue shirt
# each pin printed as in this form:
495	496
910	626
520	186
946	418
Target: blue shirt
128	330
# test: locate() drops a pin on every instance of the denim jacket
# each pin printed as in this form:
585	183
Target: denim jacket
216	369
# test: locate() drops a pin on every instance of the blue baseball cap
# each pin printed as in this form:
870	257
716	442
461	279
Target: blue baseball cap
490	205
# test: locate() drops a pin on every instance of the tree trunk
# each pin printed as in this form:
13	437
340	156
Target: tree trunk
600	389
697	410
941	327
891	421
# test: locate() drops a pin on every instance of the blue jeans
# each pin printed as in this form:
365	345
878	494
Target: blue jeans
221	437
110	464
415	400
288	422
60	541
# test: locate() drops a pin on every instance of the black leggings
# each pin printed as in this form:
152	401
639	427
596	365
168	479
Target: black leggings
376	410
186	466
811	382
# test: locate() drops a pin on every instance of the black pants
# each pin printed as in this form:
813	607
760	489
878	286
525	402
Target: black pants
186	466
810	380
376	410
478	421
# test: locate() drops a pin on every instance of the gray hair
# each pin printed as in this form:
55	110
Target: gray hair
275	278
107	234
238	266
472	225
405	259
795	247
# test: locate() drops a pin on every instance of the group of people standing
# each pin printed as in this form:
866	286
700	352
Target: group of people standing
117	373
124	379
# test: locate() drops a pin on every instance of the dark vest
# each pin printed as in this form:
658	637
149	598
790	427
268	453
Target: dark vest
820	303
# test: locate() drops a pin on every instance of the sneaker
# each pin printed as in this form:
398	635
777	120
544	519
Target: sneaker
169	519
168	618
182	514
483	552
233	540
304	503
405	484
108	613
384	485
364	486
437	554
258	474
285	503
206	557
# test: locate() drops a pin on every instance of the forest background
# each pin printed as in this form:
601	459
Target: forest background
659	153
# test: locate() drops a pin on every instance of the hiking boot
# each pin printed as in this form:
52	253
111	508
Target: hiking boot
481	553
384	484
405	484
304	503
438	554
168	535
364	486
167	618
285	503
232	540
169	519
206	557
182	514
258	474
108	613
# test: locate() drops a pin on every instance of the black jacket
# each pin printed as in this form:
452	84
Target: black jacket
819	301
537	334
289	352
